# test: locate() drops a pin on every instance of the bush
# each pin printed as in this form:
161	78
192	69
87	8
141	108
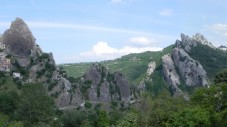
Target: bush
73	118
88	105
98	106
44	56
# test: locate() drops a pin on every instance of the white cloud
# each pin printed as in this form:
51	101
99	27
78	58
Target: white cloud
141	41
102	51
166	12
219	28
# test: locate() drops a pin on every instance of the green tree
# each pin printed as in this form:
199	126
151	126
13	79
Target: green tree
221	77
8	102
130	120
5	122
102	119
73	118
35	106
213	100
162	109
190	117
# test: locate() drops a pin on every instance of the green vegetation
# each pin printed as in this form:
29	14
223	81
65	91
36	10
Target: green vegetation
27	107
212	60
31	106
88	105
133	66
84	88
2	78
35	106
6	122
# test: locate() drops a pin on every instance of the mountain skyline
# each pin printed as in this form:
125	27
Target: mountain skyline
83	31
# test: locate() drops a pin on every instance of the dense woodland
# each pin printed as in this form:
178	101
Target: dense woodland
31	106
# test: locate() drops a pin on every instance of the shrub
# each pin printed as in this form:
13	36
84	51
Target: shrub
88	105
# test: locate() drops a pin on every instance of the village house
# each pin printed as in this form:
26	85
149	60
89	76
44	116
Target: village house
2	46
5	64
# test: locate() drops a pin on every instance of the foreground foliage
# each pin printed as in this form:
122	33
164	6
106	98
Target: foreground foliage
32	107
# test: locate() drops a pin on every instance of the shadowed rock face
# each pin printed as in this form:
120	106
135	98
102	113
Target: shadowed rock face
110	86
19	39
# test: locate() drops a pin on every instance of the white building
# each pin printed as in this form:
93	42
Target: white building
224	48
16	75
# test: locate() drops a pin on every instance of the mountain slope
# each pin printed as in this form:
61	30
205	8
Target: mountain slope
23	61
191	62
133	66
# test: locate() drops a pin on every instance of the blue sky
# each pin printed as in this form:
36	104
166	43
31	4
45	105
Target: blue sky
94	30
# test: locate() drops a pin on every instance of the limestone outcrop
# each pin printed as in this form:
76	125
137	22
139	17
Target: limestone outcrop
180	66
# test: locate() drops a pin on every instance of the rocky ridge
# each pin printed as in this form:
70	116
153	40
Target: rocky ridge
33	65
180	66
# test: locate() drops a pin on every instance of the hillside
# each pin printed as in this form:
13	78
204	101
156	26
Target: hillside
22	61
143	89
133	66
147	68
212	59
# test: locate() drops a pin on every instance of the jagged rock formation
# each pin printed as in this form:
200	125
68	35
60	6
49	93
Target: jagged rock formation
96	86
170	74
151	67
180	64
19	39
199	38
190	70
188	43
28	60
20	42
99	85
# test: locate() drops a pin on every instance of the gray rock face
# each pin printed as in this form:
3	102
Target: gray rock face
180	64
188	43
201	39
191	70
19	39
20	42
169	70
170	74
151	68
124	87
105	87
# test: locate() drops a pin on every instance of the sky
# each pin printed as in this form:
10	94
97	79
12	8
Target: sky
95	30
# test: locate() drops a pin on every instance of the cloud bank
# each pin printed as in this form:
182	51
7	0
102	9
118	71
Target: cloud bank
103	51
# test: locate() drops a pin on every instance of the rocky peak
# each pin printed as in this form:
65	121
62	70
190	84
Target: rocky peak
187	43
19	39
201	39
